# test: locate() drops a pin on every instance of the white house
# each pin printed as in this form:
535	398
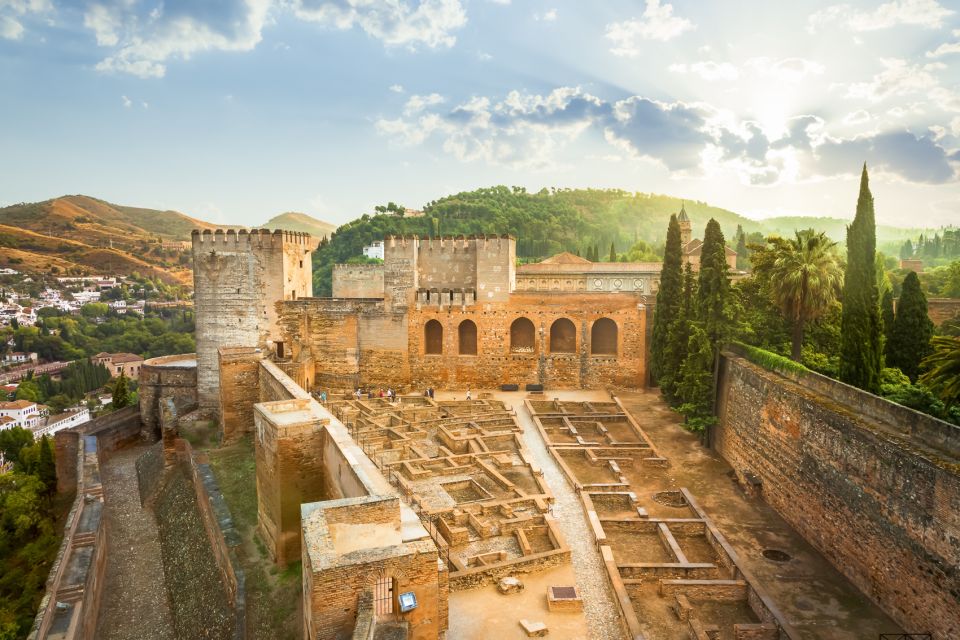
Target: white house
22	413
18	357
120	306
375	250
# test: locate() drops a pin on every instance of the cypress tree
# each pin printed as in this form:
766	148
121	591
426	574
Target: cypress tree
121	396
46	467
613	253
675	349
912	329
860	331
714	284
887	317
695	384
668	299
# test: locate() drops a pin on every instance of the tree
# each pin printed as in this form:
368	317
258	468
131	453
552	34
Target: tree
675	349
743	254
887	317
943	368
696	381
668	300
613	253
121	395
12	442
714	285
906	250
805	279
860	353
912	329
46	468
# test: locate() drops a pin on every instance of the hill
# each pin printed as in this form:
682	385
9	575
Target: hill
84	235
836	229
294	221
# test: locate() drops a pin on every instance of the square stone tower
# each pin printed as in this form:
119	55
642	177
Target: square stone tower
238	277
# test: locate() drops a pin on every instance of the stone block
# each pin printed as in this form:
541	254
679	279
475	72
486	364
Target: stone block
509	585
534	629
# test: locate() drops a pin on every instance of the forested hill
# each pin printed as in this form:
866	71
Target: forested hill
544	223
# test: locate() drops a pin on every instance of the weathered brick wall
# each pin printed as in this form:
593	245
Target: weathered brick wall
239	390
114	430
166	377
66	444
884	509
358	281
290	471
942	309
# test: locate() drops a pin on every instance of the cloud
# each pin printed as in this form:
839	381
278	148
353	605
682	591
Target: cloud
12	13
127	102
144	41
546	16
898	78
530	130
708	70
857	117
657	23
944	49
394	22
922	13
416	104
396	88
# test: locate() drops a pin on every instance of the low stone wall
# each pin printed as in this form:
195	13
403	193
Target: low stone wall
873	486
941	310
76	577
150	472
114	430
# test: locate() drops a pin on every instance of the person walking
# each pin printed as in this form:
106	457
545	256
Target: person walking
469	397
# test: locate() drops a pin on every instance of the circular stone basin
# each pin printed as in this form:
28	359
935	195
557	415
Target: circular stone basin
776	555
670	499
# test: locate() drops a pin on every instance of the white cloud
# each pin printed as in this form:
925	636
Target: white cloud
10	28
899	78
944	49
785	69
12	13
922	13
708	70
145	43
394	22
483	56
416	104
127	102
525	130
546	16
657	23
396	88
857	117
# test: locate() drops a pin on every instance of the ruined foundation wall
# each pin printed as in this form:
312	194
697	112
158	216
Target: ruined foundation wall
882	508
942	310
166	377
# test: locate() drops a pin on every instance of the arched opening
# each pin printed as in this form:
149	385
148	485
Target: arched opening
467	338
603	337
433	337
563	336
523	336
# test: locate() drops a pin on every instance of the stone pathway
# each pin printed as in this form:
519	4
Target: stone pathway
134	604
599	606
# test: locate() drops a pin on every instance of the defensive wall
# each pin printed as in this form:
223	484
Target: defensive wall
872	485
237	278
558	339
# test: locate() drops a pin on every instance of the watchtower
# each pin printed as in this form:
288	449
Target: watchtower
238	277
686	232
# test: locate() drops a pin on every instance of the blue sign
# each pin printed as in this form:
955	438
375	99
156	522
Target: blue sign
408	601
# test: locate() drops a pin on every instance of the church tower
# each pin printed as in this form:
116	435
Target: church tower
686	233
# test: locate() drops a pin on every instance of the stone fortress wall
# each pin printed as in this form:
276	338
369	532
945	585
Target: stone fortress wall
872	485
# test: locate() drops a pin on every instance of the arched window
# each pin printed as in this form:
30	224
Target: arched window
433	337
563	336
603	337
467	338
523	336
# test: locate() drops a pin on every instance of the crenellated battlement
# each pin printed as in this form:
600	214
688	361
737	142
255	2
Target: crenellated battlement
244	240
460	242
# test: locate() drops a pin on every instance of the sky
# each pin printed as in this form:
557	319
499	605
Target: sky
236	110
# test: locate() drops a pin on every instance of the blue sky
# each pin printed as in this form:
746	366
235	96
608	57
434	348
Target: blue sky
236	110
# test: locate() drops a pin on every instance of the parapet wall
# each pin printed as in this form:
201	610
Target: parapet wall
172	377
243	240
358	281
873	486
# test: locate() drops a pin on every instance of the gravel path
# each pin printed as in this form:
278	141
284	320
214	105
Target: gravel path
134	604
599	606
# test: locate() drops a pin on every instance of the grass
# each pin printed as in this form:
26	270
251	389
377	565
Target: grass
769	360
273	593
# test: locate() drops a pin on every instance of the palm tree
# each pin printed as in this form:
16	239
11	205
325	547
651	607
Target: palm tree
943	368
806	277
